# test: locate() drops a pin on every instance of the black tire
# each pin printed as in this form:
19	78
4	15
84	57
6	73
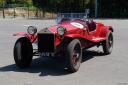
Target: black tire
74	55
23	52
108	44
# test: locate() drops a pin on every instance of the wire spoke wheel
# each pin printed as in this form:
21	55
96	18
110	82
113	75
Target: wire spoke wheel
74	55
108	44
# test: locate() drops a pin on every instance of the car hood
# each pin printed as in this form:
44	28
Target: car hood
69	26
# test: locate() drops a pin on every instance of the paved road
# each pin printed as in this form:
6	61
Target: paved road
95	69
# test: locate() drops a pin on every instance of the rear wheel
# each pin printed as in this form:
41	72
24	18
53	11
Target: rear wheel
74	55
23	52
108	43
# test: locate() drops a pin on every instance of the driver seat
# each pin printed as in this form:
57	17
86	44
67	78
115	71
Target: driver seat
91	25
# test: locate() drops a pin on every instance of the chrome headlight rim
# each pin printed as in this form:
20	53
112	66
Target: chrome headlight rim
32	30
61	30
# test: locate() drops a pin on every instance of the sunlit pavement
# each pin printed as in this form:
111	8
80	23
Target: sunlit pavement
96	69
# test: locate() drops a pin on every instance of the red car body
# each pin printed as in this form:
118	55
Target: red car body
68	38
97	35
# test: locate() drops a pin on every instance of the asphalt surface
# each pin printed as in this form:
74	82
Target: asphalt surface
96	69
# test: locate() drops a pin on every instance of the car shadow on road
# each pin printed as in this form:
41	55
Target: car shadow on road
89	54
47	66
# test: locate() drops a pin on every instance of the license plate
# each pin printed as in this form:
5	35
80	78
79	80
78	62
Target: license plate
47	54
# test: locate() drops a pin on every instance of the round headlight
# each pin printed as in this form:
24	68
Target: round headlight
32	30
61	30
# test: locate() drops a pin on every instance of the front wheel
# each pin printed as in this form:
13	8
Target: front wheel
74	55
23	52
108	43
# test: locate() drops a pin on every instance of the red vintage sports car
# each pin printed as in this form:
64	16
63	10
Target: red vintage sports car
67	38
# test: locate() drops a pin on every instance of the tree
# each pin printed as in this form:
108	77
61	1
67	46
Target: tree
61	5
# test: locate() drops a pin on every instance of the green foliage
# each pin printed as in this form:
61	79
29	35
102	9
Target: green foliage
28	2
113	9
61	5
106	8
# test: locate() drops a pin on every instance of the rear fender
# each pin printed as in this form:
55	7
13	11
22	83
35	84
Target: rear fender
110	28
104	32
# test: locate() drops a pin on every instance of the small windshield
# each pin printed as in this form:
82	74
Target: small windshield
69	16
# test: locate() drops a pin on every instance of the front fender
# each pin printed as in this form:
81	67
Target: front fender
20	34
32	38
